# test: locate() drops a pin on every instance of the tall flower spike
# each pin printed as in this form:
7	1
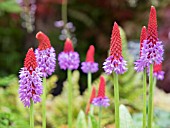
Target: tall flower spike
158	73
152	50
68	59
93	95
30	81
89	65
139	64
45	55
115	61
101	99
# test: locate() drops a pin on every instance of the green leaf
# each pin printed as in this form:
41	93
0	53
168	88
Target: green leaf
93	121
10	6
81	120
125	118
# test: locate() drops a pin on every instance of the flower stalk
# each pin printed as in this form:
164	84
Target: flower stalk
69	99
44	103
116	97
89	79
31	113
144	98
151	89
100	116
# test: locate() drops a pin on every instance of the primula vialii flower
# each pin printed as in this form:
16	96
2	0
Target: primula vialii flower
93	95
157	72
143	36
101	99
115	62
90	65
45	55
30	81
152	50
68	59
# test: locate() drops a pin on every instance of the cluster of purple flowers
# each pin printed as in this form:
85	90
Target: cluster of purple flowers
36	65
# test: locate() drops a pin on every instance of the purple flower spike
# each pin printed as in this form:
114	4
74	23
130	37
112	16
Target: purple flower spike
115	62
159	75
68	59
45	54
89	65
30	81
101	99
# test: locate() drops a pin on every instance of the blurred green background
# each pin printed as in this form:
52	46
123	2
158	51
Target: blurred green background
20	20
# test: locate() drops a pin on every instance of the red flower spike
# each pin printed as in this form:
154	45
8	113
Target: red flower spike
93	94
157	67
30	60
101	91
116	43
143	36
68	46
152	26
44	41
90	54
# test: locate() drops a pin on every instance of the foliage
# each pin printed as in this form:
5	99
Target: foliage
125	118
81	120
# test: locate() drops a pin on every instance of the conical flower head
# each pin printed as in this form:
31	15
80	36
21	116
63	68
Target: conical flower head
44	41
68	46
93	94
90	54
30	61
152	26
101	99
115	62
68	59
116	43
89	66
143	36
45	54
101	91
30	80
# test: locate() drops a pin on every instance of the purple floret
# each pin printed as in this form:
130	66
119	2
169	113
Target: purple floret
114	65
159	75
46	60
100	101
68	60
30	86
150	54
91	67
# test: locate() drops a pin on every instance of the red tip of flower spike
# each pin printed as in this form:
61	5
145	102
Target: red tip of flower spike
143	36
68	47
93	94
30	60
152	24
116	43
90	54
101	91
157	67
44	41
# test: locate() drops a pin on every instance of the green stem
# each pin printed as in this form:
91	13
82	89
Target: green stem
144	98
116	97
89	118
31	114
89	83
100	116
69	99
64	11
44	104
151	89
